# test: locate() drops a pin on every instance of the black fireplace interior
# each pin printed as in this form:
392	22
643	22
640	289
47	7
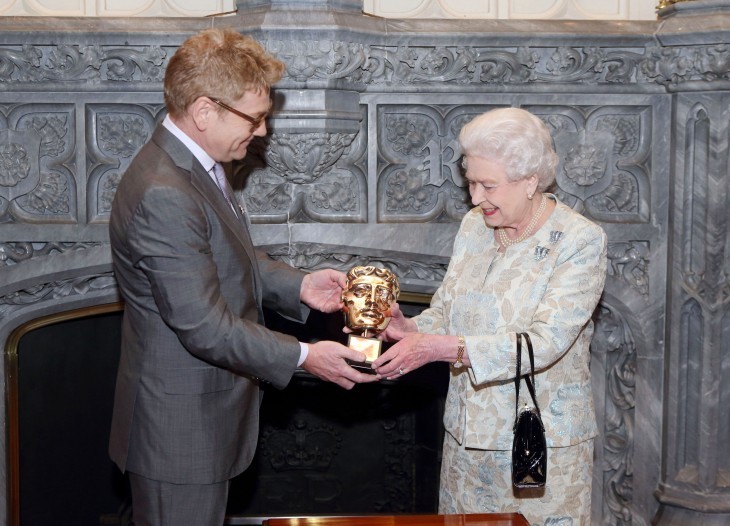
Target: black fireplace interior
322	450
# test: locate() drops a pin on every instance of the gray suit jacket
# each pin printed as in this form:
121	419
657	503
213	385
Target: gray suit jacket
193	344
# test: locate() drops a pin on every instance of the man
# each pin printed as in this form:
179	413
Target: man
193	345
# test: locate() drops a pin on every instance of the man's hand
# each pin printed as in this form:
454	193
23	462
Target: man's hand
322	290
326	360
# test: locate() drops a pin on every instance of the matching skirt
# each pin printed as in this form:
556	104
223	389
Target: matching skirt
477	481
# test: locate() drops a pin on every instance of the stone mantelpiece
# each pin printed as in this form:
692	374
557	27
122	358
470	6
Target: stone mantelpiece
361	167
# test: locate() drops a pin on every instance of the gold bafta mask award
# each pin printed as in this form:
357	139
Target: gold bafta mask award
367	299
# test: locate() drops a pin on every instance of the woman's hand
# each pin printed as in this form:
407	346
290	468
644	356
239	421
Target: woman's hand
411	352
398	326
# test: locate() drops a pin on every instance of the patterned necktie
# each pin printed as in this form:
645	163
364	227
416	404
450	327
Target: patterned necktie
225	187
220	178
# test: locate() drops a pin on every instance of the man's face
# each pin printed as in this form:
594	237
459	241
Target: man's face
367	303
229	135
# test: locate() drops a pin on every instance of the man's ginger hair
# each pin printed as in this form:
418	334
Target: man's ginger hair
218	63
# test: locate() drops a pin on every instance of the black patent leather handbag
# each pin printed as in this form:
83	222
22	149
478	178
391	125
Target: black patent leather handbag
529	450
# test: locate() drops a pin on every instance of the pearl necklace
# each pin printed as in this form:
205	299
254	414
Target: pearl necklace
507	242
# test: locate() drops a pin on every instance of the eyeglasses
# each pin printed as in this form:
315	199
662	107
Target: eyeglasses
255	123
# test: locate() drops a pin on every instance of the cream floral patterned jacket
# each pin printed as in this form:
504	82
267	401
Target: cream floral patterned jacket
548	286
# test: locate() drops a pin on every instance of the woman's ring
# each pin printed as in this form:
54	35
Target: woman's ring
400	370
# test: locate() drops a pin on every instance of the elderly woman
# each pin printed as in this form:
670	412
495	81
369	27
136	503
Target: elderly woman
522	262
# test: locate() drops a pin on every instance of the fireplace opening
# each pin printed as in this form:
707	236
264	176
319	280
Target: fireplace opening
322	450
60	400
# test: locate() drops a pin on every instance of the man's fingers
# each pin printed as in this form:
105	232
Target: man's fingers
360	377
355	356
345	383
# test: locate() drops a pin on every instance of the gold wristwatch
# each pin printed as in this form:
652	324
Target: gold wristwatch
460	348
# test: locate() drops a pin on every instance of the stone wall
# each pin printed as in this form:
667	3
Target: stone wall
360	167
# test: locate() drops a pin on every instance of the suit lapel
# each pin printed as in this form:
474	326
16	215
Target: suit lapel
209	191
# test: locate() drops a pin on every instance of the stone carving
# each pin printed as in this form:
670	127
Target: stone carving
301	446
682	64
36	154
13	253
586	164
120	130
56	289
128	64
304	176
667	65
14	163
107	190
312	256
420	175
399	443
301	455
603	153
714	62
20	65
20	170
362	64
303	158
613	340
321	59
629	262
81	63
435	64
472	65
121	135
49	197
407	191
603	169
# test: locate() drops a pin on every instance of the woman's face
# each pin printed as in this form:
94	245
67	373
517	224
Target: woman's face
504	203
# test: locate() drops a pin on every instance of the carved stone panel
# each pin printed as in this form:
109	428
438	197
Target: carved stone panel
419	173
115	133
605	160
80	66
604	153
38	180
305	177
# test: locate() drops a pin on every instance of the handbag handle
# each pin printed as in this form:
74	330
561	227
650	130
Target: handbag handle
530	383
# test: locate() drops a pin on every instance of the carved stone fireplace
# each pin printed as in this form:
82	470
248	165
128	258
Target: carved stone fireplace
322	450
360	168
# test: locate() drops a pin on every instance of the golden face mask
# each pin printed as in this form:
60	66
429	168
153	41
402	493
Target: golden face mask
367	299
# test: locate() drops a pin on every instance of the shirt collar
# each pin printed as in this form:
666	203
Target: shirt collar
203	158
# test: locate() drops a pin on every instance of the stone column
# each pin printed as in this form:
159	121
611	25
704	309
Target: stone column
303	174
695	481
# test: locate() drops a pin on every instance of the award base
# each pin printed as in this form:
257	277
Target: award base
371	347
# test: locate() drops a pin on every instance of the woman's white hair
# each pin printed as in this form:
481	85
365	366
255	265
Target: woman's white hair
516	139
